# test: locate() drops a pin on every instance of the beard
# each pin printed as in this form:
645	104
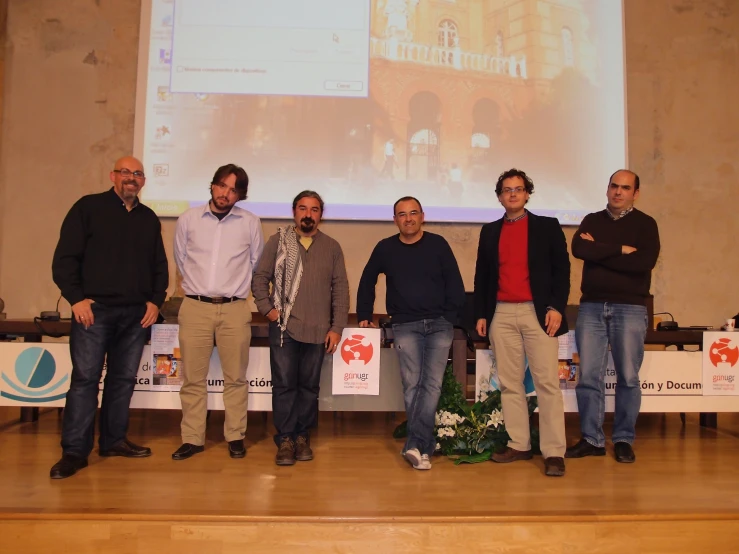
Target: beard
221	202
129	194
307	224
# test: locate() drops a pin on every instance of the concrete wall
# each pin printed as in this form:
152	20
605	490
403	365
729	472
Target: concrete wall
68	112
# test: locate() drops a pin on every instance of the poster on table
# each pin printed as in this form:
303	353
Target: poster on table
486	371
720	363
356	363
166	359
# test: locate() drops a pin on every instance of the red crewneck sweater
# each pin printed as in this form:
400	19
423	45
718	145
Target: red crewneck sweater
513	262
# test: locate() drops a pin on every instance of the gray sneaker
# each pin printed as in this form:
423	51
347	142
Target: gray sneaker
418	461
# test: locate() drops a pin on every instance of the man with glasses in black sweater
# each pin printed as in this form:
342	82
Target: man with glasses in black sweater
111	266
424	295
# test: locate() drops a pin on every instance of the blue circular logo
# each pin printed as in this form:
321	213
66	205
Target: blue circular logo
35	367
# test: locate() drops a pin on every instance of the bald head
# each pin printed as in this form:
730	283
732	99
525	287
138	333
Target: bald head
624	175
130	163
623	190
128	179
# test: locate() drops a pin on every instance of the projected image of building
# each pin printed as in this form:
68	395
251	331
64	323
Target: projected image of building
453	78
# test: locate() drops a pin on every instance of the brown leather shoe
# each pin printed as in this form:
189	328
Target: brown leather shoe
511	455
303	452
554	467
286	453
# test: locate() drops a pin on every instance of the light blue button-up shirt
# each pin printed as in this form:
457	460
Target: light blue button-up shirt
217	257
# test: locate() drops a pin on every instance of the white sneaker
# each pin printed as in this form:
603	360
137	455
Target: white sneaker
418	461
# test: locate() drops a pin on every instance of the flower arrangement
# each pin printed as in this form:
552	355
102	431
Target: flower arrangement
470	433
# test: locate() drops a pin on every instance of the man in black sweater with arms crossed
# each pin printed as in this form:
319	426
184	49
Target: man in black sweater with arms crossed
424	295
620	246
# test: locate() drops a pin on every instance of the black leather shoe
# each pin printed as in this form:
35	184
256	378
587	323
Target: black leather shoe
186	451
554	467
127	449
624	453
584	448
67	466
236	449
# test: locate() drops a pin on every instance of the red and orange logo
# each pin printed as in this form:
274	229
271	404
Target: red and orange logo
356	347
724	350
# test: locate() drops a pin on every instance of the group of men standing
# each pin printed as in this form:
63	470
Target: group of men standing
299	282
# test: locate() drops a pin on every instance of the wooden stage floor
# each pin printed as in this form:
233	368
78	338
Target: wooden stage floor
682	494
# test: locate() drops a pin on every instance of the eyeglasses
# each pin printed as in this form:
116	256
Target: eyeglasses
412	213
225	187
517	190
128	173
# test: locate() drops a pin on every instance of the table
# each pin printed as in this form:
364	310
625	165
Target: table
32	331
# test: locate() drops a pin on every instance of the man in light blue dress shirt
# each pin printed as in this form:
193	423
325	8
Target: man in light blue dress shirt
217	247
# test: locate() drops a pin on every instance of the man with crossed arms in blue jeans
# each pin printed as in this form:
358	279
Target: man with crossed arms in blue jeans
620	246
424	295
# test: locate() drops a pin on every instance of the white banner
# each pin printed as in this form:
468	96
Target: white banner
720	363
356	364
38	375
670	381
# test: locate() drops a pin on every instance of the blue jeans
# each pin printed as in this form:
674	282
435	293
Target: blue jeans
296	380
117	333
423	351
624	327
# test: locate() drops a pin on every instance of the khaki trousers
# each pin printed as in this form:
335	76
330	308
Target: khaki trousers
515	335
230	326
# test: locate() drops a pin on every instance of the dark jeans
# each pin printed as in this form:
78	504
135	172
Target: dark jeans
116	332
296	378
423	352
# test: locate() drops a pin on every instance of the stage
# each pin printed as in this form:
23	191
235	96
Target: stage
359	495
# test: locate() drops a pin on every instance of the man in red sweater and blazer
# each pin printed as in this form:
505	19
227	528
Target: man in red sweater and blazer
522	282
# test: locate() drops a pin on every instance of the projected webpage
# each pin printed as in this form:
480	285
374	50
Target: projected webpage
366	101
316	48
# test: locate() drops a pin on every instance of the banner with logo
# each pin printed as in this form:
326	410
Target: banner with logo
720	363
668	375
356	364
34	374
38	375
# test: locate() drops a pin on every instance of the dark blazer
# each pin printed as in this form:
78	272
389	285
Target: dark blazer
549	269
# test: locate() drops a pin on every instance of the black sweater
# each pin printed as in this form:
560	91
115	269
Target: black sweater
109	254
422	280
608	275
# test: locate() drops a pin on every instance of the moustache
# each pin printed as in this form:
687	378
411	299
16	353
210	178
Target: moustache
129	182
307	220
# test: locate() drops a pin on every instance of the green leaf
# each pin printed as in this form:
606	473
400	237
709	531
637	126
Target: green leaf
474	458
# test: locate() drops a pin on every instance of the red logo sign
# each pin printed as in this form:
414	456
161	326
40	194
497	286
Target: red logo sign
724	350
356	347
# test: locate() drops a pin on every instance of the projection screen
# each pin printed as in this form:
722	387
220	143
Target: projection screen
367	101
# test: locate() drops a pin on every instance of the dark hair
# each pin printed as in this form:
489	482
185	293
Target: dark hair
636	177
308	194
242	179
527	182
406	199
